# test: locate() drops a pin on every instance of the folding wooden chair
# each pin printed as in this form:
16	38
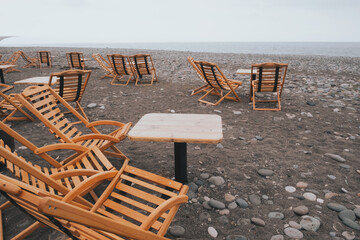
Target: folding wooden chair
218	84
143	65
105	65
31	62
11	61
45	104
75	60
44	58
9	106
121	67
270	77
200	75
71	85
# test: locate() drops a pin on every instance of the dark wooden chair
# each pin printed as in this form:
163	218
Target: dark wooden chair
143	65
44	58
75	60
122	68
11	61
30	62
200	75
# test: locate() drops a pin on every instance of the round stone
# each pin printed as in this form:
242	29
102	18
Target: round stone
265	172
204	175
290	189
277	237
223	220
224	212
206	205
212	231
236	237
301	210
293	233
242	203
332	177
191	194
193	187
255	199
91	105
177	231
335	157
229	197
348	236
357	212
330	195
232	205
216	204
301	185
336	207
216	180
295	225
277	215
309	196
347	213
258	222
351	224
310	223
204	216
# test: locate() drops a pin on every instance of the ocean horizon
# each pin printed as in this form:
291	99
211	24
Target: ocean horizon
348	49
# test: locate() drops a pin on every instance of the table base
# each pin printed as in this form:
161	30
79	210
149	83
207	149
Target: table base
180	162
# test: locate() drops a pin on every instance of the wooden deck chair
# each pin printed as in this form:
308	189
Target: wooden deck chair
104	64
9	106
31	62
122	68
71	85
11	61
200	75
270	77
44	103
143	65
75	60
44	58
219	85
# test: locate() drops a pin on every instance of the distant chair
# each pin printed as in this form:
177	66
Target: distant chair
200	75
44	58
71	85
270	77
31	62
75	60
143	65
11	61
219	85
104	64
122	67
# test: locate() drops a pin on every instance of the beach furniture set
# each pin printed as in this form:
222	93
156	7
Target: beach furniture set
264	78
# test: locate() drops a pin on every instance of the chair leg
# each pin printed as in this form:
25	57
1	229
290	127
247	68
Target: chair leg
28	231
81	110
200	89
124	84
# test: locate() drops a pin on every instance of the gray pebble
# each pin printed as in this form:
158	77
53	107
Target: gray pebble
357	212
204	175
216	204
258	222
177	231
265	172
206	205
212	231
293	233
255	199
259	138
204	216
236	237
332	177
216	180
332	234
223	220
242	203
277	237
344	166
300	197
232	205
219	145
336	207
348	236
277	215
351	224
191	194
301	210
335	157
295	225
310	223
347	213
91	105
193	187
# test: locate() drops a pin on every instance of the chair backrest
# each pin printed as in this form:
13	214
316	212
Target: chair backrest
212	75
75	60
102	61
70	84
120	64
25	57
269	76
13	58
143	64
198	71
44	58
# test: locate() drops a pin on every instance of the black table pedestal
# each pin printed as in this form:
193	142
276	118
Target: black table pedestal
2	76
180	162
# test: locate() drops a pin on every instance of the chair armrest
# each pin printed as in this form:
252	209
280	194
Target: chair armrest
106	122
235	81
61	146
95	136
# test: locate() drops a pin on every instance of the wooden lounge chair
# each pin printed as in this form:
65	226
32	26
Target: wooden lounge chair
132	203
122	68
105	65
218	84
270	77
31	62
143	65
200	75
9	106
45	104
11	61
75	60
44	58
71	85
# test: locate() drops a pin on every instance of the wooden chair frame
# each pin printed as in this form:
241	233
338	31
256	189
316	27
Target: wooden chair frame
270	77
44	57
44	103
11	61
218	84
200	75
121	67
104	64
143	65
31	62
12	105
71	85
75	60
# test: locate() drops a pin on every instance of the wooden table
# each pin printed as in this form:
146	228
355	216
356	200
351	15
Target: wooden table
180	129
34	81
1	71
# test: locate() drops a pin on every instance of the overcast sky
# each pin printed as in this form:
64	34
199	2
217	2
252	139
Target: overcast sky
106	21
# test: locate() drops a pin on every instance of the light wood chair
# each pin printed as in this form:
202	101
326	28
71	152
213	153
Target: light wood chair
45	104
122	68
71	85
9	106
11	61
31	62
143	65
44	58
270	78
75	60
218	84
200	75
105	65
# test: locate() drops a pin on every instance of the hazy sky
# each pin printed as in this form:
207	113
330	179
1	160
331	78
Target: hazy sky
92	21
